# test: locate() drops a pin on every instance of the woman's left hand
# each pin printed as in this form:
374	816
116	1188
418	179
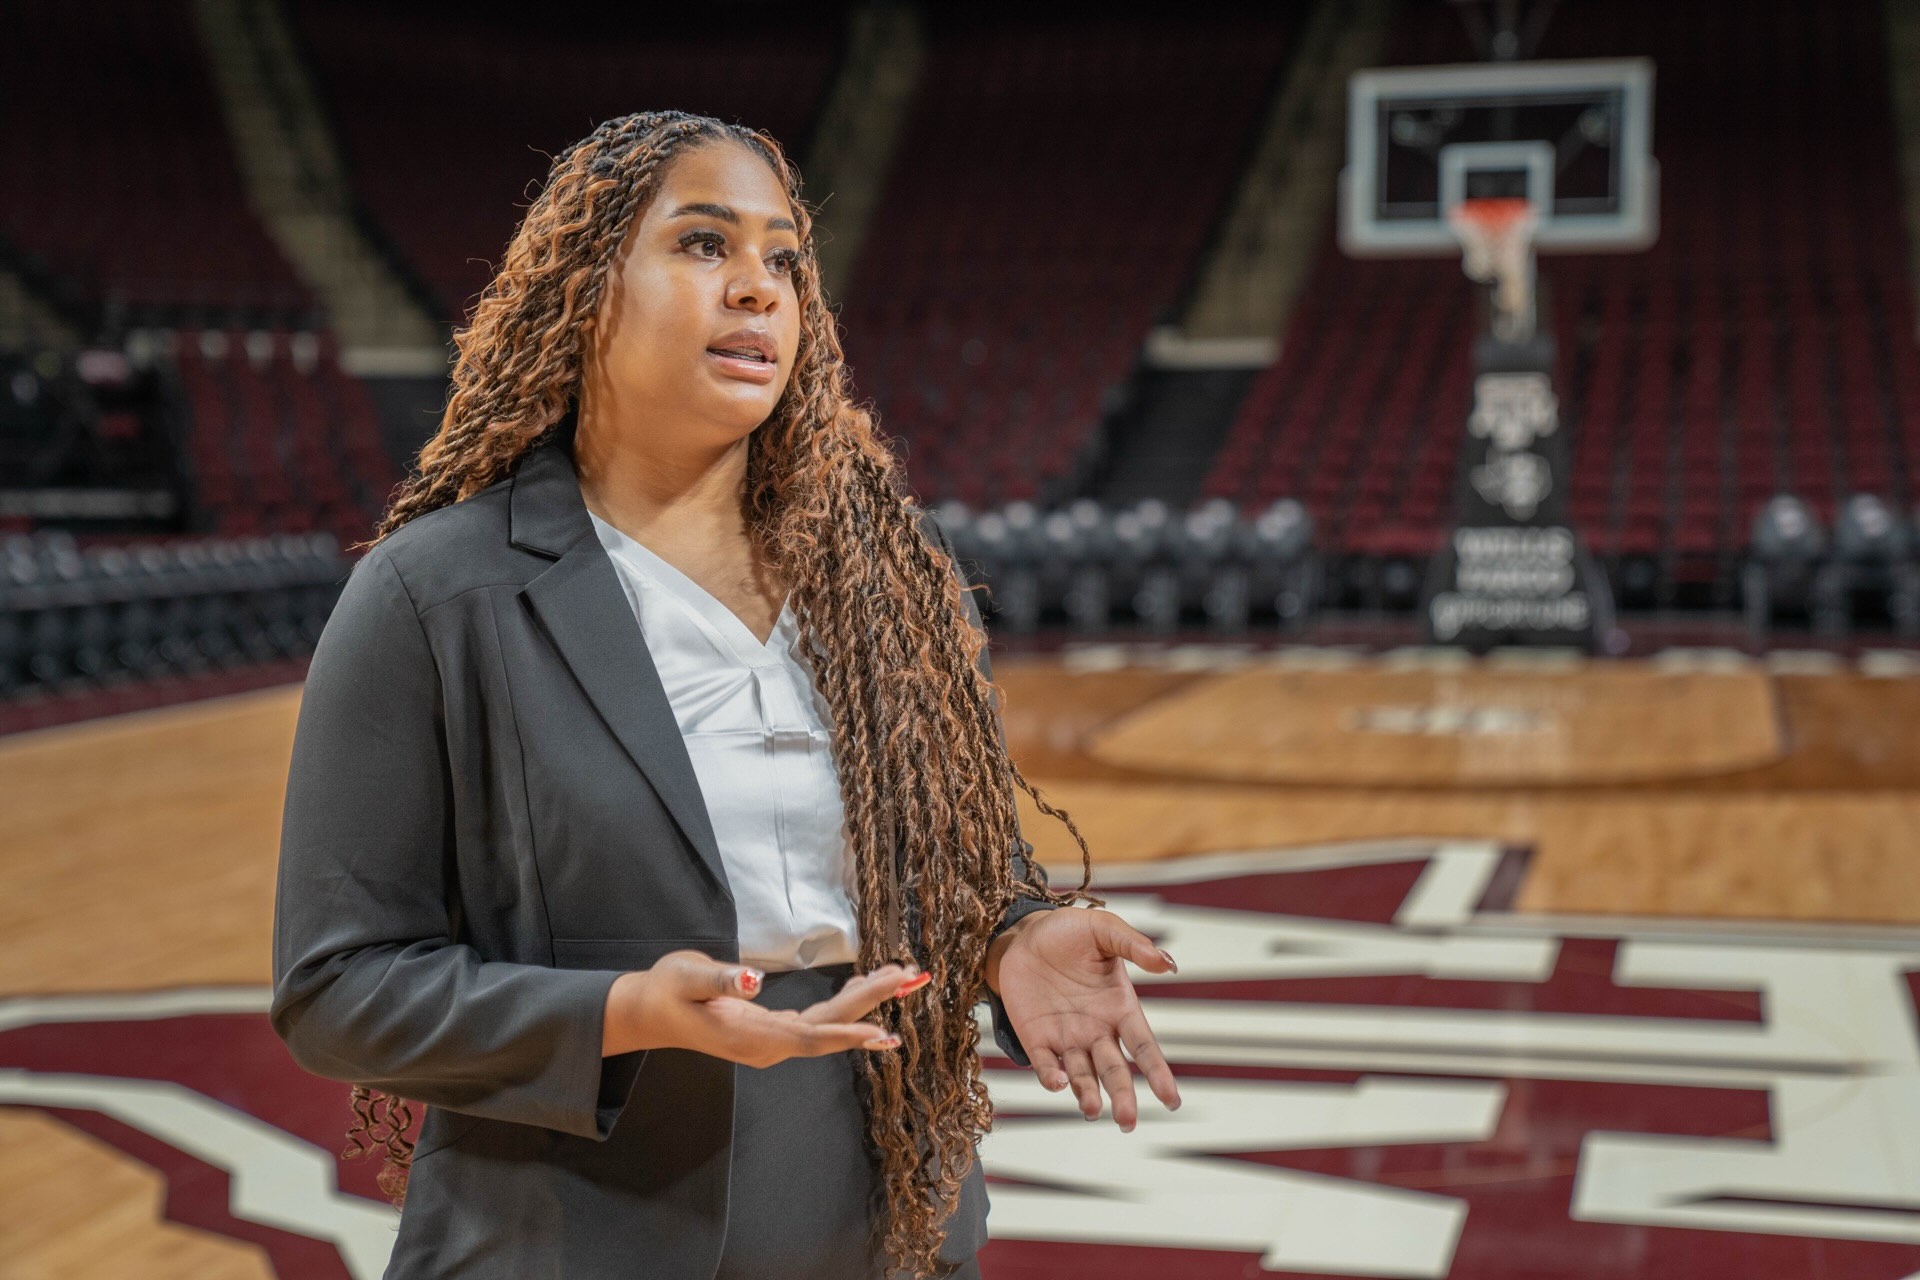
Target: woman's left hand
1062	975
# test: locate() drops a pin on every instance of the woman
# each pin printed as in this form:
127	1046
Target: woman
504	890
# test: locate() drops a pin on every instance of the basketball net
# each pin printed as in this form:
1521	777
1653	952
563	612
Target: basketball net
1496	241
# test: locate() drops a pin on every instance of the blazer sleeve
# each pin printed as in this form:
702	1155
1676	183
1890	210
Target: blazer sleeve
368	985
1003	1032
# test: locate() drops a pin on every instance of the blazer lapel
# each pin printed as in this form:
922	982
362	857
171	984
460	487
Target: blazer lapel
584	610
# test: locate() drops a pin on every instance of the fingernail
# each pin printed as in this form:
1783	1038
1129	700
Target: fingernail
913	984
1169	959
884	1042
750	980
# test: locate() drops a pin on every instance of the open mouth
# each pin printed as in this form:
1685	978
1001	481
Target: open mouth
744	364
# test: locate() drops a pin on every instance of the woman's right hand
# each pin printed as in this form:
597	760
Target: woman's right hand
689	1000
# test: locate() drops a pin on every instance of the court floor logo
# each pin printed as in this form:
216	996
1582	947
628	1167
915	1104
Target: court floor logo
1386	1073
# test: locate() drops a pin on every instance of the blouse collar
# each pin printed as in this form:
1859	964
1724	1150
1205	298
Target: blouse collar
720	621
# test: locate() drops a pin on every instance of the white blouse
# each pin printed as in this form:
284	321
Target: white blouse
757	731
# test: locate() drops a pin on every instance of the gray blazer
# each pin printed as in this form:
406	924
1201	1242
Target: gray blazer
491	815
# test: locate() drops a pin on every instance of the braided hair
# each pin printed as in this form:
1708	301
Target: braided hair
926	783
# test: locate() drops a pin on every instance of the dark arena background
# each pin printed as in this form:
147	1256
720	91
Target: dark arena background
1444	476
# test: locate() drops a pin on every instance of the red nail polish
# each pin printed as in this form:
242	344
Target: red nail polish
913	984
750	981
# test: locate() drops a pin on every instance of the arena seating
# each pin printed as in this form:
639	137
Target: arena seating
125	184
1047	205
431	104
1144	567
1048	202
282	439
96	630
1764	345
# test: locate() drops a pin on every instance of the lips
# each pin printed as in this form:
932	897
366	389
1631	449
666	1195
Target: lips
745	360
746	344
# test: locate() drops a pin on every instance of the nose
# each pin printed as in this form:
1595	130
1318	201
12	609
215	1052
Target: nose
754	289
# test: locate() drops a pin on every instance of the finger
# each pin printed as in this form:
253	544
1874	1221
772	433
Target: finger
779	1034
815	1040
1139	1040
1046	1065
703	978
861	994
1118	938
1117	1078
1086	1089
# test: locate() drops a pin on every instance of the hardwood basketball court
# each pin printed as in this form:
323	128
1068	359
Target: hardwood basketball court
1364	807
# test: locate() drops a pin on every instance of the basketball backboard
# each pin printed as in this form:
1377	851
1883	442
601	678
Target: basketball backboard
1572	138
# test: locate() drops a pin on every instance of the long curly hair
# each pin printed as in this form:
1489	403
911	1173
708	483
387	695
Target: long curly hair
926	782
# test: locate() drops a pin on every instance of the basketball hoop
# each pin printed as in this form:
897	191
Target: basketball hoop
1496	242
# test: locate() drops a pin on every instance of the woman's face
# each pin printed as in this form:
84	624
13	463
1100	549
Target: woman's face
708	266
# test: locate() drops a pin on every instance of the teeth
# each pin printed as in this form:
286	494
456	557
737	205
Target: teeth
742	353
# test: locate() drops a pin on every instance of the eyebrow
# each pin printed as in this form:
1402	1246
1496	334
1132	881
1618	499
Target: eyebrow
725	214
